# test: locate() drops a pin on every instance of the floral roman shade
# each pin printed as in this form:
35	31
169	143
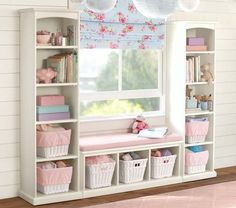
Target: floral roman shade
122	27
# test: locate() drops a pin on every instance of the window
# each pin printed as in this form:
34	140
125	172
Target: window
116	82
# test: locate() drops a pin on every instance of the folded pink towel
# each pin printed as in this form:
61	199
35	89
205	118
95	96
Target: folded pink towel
94	160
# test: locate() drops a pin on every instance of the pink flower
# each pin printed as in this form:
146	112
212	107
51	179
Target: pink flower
82	26
102	29
141	46
146	37
128	28
113	45
161	36
151	26
100	17
132	8
122	20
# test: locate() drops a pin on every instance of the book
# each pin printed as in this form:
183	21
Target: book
154	133
196	48
193	41
66	67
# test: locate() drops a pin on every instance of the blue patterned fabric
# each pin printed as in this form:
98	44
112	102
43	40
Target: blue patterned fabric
123	27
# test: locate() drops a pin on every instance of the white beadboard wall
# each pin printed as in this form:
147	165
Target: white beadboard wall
223	11
9	90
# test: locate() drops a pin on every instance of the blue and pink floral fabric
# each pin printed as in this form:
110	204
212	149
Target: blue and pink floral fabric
123	27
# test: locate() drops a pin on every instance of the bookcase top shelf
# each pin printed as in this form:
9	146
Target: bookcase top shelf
199	52
200	113
56	85
56	47
57	121
199	83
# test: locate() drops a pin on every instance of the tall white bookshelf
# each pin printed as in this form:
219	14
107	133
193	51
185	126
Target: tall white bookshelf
176	55
32	57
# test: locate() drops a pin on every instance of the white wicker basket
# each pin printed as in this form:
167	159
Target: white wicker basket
162	166
99	175
56	151
132	171
53	189
195	169
195	139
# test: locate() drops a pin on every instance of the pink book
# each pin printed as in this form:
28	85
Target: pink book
49	100
196	48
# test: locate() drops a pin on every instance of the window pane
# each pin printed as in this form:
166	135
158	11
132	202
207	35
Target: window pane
140	69
119	107
98	70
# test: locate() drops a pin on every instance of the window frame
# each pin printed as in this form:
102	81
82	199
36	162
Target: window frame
128	94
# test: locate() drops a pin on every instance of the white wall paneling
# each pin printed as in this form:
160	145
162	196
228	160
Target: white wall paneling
9	90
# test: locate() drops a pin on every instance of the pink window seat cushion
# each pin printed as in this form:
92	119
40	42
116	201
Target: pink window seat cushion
93	143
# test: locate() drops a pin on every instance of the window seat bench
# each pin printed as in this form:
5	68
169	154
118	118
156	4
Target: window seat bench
111	141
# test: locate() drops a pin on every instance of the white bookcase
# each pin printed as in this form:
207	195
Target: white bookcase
32	56
176	55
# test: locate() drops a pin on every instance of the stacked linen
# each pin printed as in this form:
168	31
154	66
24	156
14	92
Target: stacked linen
196	44
52	107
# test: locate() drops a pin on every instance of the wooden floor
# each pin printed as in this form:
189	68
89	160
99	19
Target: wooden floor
224	175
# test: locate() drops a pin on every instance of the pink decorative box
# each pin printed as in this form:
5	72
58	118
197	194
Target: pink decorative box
49	100
196	48
53	116
195	41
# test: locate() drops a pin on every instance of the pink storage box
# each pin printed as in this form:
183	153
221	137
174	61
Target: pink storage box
49	100
195	41
196	162
196	48
196	131
51	181
54	143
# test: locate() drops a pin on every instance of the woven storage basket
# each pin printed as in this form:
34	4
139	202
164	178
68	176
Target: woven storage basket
196	131
99	175
51	181
53	143
162	167
196	162
132	171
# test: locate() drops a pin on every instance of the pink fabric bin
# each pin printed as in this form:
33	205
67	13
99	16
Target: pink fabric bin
196	131
49	100
53	143
196	162
51	181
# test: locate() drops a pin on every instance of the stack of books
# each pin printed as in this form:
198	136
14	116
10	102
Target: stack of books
193	67
196	44
66	67
52	107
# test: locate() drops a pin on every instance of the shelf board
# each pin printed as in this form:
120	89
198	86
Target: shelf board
199	176
57	84
199	83
196	144
57	121
55	47
199	52
200	113
66	157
